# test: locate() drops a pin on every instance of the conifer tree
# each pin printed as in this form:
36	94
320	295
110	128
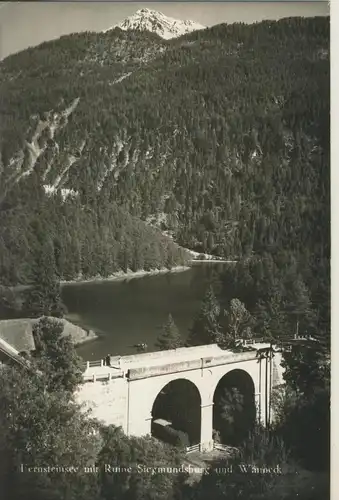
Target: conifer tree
270	317
299	307
206	328
170	337
238	324
307	367
43	299
55	355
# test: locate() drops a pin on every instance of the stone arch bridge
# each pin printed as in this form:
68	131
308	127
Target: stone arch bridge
125	392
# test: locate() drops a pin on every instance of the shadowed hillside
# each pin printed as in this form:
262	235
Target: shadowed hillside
220	138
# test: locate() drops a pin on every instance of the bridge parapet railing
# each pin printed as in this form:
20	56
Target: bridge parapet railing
216	446
94	364
95	377
230	451
194	447
252	341
220	446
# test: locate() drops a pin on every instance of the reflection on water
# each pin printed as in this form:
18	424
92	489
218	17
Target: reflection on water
129	312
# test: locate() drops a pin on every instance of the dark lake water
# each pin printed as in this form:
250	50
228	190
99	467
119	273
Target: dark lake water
133	311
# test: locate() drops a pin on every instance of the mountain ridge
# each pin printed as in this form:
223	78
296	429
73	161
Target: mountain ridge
156	22
209	137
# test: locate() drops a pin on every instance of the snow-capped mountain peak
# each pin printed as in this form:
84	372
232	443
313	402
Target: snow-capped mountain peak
156	22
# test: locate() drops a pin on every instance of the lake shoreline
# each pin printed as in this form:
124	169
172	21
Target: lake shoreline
214	261
92	339
125	311
124	276
91	336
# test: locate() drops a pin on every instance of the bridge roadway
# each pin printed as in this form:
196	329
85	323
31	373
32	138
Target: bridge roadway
123	393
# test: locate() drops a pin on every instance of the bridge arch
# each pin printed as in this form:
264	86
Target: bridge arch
178	403
234	406
127	394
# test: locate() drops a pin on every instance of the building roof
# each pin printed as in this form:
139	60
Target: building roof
19	332
8	353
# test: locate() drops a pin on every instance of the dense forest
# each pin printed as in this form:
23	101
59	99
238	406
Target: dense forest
75	239
220	139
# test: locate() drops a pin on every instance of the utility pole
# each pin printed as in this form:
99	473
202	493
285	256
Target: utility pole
270	387
260	389
266	390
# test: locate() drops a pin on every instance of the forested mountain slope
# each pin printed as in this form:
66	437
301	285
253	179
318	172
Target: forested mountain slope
220	137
